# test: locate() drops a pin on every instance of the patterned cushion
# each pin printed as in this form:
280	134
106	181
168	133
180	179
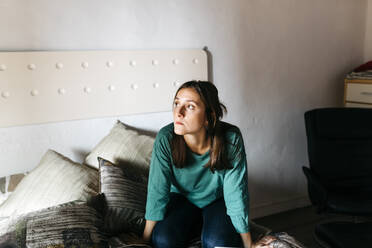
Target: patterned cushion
123	145
55	180
125	192
73	224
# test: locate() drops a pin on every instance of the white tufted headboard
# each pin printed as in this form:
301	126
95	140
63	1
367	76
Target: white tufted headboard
40	87
93	88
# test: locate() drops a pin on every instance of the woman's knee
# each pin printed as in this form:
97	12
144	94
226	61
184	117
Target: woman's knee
164	238
211	240
162	241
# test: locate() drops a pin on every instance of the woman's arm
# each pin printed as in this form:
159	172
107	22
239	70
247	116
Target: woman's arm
247	240
158	185
235	185
159	182
149	227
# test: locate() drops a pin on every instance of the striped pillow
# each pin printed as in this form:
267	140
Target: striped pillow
125	191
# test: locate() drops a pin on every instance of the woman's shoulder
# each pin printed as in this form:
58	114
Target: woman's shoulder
163	138
166	130
234	140
165	133
231	132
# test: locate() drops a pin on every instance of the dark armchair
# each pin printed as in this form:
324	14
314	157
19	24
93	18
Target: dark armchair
340	174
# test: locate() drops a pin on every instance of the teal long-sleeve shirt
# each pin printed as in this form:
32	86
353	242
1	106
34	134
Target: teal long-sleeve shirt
197	183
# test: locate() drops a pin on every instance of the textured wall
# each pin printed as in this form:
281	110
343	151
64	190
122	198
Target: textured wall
272	60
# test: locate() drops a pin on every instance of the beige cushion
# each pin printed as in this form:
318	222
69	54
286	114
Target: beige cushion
55	180
123	145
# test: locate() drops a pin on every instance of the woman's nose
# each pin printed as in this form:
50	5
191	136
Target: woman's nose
180	112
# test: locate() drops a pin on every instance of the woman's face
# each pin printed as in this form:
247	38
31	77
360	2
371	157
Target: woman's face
188	112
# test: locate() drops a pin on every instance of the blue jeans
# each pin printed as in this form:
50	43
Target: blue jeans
183	221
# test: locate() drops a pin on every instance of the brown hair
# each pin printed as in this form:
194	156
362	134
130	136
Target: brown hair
214	111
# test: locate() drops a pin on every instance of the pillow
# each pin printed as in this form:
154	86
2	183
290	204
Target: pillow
55	180
73	224
8	184
123	145
125	192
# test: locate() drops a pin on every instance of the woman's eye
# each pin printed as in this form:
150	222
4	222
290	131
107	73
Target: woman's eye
190	107
175	104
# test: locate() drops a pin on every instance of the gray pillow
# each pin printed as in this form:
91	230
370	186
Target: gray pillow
72	224
125	191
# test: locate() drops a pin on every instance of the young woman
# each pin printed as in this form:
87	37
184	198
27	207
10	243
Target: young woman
198	176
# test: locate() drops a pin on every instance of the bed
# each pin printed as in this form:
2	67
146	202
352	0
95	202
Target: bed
100	201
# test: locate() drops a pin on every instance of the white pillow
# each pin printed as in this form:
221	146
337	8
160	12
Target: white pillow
123	145
54	181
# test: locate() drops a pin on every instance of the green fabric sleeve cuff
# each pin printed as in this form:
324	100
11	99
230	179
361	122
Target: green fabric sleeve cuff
154	216
240	223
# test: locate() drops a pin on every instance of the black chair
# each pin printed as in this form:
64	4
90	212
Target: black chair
340	174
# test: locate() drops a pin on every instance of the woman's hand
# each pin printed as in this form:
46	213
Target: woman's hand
264	242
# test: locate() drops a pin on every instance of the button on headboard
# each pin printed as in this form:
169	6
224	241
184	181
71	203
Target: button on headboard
39	87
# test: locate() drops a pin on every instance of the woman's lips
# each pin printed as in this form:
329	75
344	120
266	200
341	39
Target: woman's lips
179	123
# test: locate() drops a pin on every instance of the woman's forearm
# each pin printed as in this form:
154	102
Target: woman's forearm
149	227
247	239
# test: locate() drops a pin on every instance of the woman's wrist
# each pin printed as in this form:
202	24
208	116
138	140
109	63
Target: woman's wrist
247	240
147	233
146	237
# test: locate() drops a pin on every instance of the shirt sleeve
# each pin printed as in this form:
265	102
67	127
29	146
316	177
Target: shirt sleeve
235	187
158	188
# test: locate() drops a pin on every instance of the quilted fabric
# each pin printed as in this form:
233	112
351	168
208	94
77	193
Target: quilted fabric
130	240
283	240
73	224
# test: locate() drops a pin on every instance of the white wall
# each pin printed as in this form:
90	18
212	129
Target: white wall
272	61
368	39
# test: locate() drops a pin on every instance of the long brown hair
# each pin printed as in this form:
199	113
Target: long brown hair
214	111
